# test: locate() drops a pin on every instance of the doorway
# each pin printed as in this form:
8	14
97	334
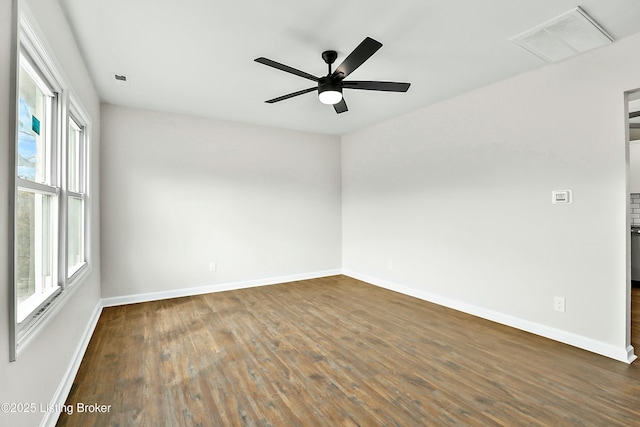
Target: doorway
633	175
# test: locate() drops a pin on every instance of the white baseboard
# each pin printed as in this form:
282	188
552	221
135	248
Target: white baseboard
155	296
60	396
622	354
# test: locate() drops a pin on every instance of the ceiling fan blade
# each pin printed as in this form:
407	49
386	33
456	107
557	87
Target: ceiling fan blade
356	58
291	95
341	106
286	68
372	85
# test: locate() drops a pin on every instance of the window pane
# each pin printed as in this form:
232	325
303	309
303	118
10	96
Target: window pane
75	237
75	139
34	245
32	127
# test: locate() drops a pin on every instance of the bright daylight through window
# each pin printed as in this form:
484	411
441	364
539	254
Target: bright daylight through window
50	216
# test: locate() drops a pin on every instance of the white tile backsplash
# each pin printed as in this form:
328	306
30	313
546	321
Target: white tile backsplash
635	209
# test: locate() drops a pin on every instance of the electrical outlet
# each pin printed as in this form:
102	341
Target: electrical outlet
213	266
559	304
390	265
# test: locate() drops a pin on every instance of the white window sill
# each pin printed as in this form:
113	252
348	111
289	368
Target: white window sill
28	306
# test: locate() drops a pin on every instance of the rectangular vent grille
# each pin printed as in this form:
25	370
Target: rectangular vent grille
567	35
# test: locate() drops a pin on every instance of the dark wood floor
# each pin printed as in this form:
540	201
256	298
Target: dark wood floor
334	352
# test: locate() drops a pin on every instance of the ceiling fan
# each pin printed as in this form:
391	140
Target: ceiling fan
330	86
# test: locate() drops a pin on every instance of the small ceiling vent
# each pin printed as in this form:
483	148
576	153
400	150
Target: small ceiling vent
120	79
567	35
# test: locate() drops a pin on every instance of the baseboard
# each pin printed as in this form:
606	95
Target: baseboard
60	396
622	354
155	296
631	354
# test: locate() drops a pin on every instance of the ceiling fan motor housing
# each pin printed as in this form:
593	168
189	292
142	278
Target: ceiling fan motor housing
328	84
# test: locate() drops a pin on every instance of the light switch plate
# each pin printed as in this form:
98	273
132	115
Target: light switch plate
561	196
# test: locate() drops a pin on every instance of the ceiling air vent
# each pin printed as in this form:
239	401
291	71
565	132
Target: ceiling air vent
120	79
566	35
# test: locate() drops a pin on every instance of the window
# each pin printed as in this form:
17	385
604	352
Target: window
51	197
76	155
37	192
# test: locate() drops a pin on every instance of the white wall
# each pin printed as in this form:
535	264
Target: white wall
39	370
458	196
183	191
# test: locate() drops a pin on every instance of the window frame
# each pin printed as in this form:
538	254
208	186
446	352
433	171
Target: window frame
31	49
76	114
49	184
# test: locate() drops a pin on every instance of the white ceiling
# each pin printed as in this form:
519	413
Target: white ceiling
196	56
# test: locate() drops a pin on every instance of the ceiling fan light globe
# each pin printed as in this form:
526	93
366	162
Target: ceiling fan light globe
330	97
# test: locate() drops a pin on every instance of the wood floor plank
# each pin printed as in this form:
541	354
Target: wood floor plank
336	351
